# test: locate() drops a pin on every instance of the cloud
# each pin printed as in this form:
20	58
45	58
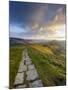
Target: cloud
37	17
59	17
57	24
53	30
37	29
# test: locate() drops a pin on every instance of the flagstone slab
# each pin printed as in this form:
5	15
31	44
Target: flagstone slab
19	78
28	62
22	68
21	86
31	67
32	75
37	83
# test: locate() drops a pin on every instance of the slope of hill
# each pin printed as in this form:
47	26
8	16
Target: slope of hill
19	41
51	68
57	46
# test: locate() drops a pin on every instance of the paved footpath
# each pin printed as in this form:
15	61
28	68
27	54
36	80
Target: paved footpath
27	76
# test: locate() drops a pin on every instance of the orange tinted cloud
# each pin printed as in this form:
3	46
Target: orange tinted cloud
55	29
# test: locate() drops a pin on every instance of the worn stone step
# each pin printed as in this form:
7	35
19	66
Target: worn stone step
28	62
21	86
31	67
22	68
19	79
32	75
37	83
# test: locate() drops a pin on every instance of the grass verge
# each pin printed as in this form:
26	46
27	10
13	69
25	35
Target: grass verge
50	74
15	58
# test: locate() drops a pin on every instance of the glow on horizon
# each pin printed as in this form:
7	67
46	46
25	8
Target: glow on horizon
57	34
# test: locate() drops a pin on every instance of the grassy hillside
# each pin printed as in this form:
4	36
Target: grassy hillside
15	57
50	66
49	60
46	50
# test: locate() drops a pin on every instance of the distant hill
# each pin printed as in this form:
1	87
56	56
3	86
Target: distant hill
18	41
27	41
54	44
57	42
57	46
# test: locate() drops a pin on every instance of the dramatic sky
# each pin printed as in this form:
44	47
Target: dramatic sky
37	21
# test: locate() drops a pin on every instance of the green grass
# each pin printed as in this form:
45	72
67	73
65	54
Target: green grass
15	58
51	68
51	71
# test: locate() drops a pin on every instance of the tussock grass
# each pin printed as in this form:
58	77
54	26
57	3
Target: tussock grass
41	48
15	58
51	74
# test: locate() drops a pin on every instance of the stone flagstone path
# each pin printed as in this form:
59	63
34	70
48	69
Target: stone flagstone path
27	76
